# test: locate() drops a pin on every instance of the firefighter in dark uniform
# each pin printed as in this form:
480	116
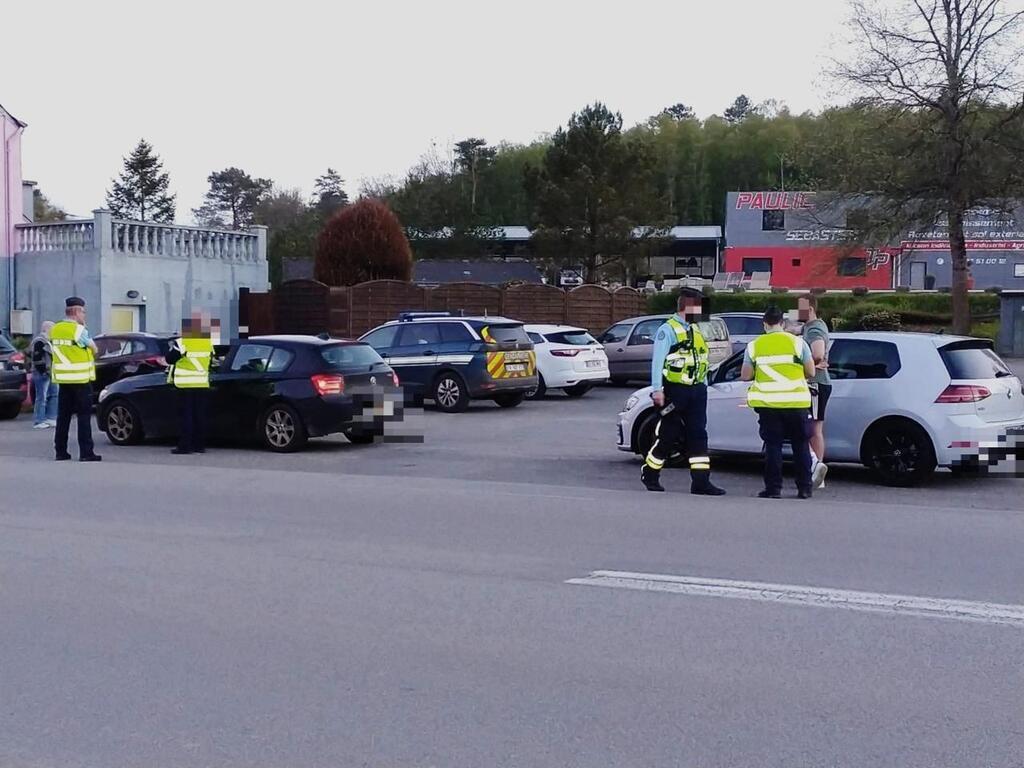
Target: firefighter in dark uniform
679	371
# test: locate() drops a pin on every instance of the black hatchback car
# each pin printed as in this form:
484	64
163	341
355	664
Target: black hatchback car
120	355
280	390
13	382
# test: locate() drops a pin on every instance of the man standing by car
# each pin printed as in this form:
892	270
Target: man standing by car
44	390
189	358
778	365
679	371
816	335
74	370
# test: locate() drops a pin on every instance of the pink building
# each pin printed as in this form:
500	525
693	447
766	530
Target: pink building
13	210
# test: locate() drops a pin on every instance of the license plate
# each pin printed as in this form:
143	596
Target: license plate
515	368
516	357
387	408
593	363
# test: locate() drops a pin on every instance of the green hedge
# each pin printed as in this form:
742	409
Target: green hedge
912	308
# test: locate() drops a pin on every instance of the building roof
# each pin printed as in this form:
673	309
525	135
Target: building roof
19	122
487	271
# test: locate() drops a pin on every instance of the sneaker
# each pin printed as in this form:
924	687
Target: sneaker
52	422
818	474
42	425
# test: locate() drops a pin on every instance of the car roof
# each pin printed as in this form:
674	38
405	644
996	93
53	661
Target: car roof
137	335
313	341
547	328
905	337
758	315
492	320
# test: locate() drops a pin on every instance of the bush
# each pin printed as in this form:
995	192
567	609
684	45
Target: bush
361	242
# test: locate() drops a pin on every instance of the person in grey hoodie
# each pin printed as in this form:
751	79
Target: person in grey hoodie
45	397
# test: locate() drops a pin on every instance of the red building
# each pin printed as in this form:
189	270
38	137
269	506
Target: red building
802	246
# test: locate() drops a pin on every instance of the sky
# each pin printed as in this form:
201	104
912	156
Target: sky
285	89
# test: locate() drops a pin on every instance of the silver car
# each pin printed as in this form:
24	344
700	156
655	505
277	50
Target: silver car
629	345
744	327
902	404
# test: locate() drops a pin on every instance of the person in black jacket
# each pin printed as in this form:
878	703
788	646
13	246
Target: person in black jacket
44	390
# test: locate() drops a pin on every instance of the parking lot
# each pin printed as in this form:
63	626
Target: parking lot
407	604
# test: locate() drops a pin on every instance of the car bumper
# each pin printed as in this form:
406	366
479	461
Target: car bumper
364	412
624	433
568	377
491	387
963	438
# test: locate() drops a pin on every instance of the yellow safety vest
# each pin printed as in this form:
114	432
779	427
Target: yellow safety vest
687	360
192	371
72	363
779	379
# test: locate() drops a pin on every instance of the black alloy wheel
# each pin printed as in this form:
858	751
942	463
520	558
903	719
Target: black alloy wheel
900	452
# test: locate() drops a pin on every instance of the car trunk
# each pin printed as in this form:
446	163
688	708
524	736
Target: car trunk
973	364
580	347
509	351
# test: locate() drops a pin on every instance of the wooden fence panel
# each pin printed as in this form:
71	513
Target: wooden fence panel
627	302
470	298
535	304
339	308
590	307
300	306
257	314
378	301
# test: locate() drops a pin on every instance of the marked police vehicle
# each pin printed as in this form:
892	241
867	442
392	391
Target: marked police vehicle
452	359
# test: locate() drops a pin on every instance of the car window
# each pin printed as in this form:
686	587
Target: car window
344	357
252	358
280	360
419	335
644	332
972	360
455	333
615	334
382	338
744	326
713	330
863	359
731	369
508	334
108	348
536	338
573	338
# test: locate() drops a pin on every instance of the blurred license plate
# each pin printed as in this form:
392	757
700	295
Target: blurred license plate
387	408
593	363
515	367
516	357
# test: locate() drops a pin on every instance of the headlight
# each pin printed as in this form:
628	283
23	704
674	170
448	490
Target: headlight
103	393
631	402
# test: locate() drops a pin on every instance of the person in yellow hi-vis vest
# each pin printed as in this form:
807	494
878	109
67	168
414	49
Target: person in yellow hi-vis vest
74	371
189	374
778	365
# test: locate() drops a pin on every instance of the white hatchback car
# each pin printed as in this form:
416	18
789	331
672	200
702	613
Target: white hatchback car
902	404
568	358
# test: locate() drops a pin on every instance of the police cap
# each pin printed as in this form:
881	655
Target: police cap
74	301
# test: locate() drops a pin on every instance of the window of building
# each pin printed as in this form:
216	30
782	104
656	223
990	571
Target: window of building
773	221
796	262
1018	269
750	266
861	359
852	266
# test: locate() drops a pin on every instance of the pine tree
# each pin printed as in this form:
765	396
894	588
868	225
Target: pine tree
329	193
141	191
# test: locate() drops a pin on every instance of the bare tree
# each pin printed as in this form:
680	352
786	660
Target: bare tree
943	78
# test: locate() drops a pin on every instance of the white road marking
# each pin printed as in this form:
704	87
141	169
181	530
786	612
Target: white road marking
791	594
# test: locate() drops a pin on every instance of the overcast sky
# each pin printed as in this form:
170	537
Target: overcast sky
285	89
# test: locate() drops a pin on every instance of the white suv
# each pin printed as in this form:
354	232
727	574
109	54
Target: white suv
902	404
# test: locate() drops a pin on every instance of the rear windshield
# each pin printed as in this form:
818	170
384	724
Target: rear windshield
164	346
972	360
341	357
508	334
574	338
744	326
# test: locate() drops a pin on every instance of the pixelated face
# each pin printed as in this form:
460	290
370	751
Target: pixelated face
803	310
691	308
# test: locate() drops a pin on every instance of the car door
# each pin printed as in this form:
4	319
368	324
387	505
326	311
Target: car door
614	341
640	349
414	356
239	390
732	426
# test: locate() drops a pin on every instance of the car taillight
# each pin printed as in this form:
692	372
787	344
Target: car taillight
18	358
963	393
394	378
328	384
565	352
159	362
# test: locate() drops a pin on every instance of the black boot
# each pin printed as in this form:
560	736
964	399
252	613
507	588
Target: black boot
649	477
701	485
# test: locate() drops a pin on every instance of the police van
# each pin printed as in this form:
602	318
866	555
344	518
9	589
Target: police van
452	359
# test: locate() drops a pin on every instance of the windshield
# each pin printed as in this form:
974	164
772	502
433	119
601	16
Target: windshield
573	338
972	360
744	326
343	357
508	334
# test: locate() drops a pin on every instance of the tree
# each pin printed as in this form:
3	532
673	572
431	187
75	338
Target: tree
43	210
679	112
472	156
293	226
232	199
941	80
361	242
141	191
740	110
591	191
329	193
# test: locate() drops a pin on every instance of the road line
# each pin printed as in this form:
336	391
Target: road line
792	594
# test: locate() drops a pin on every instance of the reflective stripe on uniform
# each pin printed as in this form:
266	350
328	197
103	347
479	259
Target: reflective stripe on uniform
779	377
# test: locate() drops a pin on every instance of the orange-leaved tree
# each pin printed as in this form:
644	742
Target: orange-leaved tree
361	242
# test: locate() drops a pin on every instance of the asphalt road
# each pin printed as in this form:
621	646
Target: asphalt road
407	605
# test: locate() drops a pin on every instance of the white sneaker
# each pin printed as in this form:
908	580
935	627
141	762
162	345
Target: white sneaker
42	425
52	422
818	474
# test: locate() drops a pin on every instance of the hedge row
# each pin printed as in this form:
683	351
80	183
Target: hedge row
913	308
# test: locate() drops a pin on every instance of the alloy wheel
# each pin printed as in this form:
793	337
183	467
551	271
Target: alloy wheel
448	393
120	423
280	428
